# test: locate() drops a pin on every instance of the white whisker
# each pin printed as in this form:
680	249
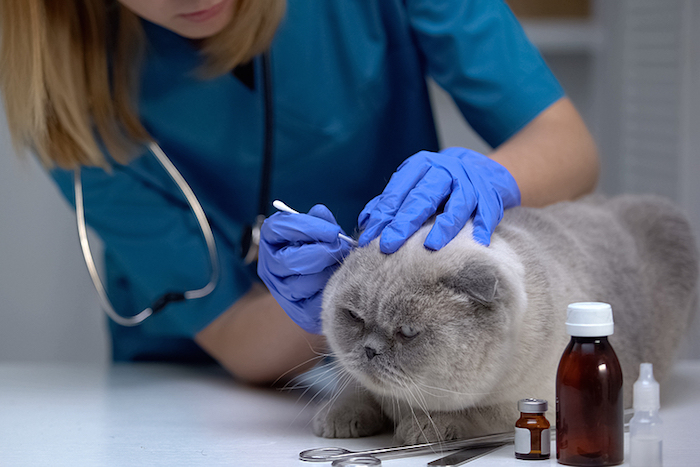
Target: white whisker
453	392
340	378
344	379
309	381
306	362
424	406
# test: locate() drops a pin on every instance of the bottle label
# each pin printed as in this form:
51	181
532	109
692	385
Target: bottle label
522	441
545	439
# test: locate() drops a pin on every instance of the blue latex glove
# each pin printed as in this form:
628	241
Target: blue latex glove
471	183
297	255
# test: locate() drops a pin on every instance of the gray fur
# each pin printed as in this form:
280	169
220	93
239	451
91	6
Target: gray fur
490	320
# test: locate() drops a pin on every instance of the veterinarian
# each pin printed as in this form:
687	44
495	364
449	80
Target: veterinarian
254	100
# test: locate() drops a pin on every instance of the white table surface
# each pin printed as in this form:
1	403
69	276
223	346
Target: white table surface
131	415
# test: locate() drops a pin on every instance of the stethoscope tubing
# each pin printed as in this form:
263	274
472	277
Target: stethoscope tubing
249	256
204	226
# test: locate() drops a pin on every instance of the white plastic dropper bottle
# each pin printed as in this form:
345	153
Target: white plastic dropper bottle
645	426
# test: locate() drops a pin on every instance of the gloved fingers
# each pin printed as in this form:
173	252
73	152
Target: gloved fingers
310	322
283	228
409	173
366	212
322	212
498	176
389	202
420	204
373	228
300	287
480	187
465	154
458	209
305	313
486	218
307	259
298	253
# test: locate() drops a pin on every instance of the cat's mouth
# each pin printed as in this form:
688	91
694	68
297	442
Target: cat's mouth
382	378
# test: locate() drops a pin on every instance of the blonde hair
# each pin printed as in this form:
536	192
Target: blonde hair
68	72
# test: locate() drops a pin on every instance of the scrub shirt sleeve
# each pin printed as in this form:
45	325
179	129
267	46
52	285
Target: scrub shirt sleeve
478	52
151	236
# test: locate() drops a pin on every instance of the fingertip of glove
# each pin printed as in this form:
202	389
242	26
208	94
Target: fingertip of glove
432	244
322	212
445	229
482	238
389	246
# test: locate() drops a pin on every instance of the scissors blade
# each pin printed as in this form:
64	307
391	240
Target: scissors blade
463	456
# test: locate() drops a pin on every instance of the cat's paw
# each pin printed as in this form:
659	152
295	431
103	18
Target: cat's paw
440	426
349	420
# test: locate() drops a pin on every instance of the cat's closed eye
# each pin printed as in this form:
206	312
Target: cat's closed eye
407	332
352	315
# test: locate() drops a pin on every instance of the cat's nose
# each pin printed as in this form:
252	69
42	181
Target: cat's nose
370	352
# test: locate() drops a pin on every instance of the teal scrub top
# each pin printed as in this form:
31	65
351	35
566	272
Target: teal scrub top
350	103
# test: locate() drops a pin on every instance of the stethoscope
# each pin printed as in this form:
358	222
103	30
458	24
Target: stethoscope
249	242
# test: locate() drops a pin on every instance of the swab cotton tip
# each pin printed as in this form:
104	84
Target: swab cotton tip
280	206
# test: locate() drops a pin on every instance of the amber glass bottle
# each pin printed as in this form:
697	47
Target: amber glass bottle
589	407
532	437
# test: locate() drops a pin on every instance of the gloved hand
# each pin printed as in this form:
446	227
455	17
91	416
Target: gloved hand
298	253
471	183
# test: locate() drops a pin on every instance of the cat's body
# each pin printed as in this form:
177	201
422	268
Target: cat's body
447	342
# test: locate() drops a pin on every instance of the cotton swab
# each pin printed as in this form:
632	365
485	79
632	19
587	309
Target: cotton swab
280	206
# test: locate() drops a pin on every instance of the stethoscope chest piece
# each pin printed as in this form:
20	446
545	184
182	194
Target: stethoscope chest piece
250	241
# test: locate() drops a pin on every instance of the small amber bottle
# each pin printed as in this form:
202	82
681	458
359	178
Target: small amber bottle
589	407
532	437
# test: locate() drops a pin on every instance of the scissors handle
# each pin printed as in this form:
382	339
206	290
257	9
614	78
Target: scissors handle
331	454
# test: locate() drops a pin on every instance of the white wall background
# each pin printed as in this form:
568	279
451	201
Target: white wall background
48	308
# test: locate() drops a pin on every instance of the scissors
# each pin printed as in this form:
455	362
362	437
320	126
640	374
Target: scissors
330	454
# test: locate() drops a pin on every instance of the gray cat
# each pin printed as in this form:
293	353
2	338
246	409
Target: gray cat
443	344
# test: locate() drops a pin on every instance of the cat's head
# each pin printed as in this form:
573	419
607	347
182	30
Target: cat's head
433	328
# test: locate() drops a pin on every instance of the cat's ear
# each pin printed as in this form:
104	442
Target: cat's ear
478	281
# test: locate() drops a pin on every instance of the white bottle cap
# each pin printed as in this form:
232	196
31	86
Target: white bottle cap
646	390
589	319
